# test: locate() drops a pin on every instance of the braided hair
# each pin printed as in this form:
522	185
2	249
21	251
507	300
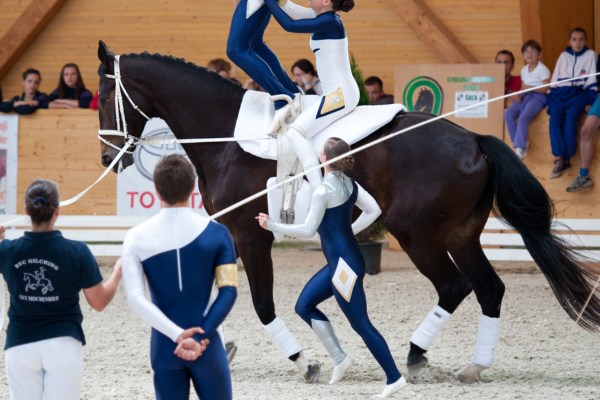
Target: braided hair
335	147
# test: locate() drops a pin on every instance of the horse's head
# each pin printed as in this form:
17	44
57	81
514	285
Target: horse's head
122	108
424	101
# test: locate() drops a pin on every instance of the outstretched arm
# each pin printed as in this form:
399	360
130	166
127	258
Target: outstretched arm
321	22
370	210
318	206
295	11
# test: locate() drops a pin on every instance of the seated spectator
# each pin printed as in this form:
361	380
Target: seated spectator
586	148
71	91
527	106
374	87
306	77
567	100
94	102
511	83
31	99
251	84
223	68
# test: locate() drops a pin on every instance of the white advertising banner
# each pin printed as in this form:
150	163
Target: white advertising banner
470	98
9	154
135	189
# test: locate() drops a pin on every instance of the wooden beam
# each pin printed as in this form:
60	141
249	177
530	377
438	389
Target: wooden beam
596	23
25	29
432	31
531	20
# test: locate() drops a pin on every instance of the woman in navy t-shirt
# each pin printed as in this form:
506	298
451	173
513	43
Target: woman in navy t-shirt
44	273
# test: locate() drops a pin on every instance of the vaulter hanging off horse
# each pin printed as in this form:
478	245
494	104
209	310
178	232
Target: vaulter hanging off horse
329	43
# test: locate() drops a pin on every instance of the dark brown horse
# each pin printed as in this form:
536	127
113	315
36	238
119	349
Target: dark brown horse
436	184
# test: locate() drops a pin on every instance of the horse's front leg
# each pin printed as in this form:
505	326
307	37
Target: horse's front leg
255	252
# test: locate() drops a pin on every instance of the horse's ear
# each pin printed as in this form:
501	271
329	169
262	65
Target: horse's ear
106	57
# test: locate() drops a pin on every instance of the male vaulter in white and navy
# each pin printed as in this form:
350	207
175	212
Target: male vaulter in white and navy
181	254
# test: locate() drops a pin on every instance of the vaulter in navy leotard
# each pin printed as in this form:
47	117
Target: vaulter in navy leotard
330	215
248	50
182	255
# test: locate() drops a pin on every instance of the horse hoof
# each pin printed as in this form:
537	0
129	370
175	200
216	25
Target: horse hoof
230	350
313	372
471	374
415	370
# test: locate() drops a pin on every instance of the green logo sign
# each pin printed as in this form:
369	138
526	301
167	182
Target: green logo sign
423	94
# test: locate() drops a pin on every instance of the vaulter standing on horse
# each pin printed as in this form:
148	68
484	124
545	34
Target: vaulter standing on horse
340	91
247	49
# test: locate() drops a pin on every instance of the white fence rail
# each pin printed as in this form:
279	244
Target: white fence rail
105	233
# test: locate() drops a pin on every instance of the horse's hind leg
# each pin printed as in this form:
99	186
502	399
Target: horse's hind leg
489	289
433	262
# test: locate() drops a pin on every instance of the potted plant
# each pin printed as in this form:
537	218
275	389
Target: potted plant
370	242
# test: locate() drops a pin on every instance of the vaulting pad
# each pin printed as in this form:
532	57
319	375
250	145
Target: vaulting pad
256	113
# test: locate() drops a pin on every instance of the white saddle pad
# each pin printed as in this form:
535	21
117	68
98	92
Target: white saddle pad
256	113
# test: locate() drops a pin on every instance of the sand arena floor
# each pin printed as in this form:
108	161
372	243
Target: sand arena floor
542	354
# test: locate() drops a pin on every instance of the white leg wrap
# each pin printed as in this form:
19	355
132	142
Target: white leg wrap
433	323
487	341
282	337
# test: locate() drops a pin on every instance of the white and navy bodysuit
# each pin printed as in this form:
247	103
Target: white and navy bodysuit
180	254
248	50
329	43
330	214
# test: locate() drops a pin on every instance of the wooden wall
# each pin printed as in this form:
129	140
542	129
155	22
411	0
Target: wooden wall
197	31
62	146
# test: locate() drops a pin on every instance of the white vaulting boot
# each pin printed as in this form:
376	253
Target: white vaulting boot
340	370
392	388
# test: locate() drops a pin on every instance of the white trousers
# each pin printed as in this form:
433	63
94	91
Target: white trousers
49	369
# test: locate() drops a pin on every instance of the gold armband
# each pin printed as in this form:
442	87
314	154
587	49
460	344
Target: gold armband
226	275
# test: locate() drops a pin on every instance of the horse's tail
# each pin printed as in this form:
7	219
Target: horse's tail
524	203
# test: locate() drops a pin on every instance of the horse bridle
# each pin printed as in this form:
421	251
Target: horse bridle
120	113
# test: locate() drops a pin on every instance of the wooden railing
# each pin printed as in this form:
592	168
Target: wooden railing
105	235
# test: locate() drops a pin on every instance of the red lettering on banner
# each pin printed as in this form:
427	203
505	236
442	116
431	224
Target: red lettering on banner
193	198
146	195
4	126
3	139
132	198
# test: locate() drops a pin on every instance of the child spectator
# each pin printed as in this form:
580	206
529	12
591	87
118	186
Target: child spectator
306	77
586	148
511	83
71	92
526	107
31	99
567	100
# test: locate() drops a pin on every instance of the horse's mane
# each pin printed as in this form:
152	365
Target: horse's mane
179	61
